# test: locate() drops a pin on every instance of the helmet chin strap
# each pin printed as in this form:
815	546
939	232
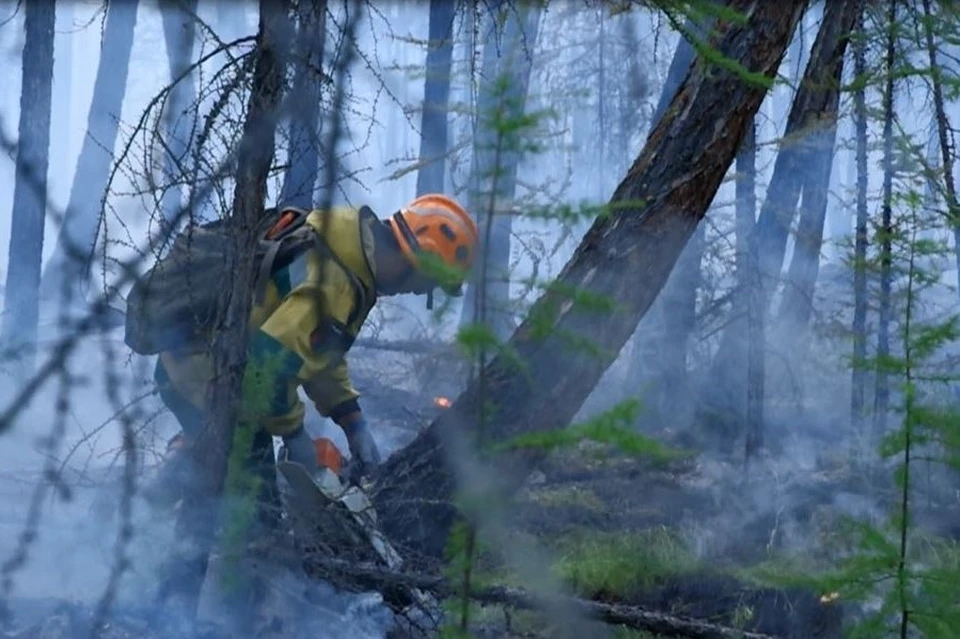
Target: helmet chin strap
411	238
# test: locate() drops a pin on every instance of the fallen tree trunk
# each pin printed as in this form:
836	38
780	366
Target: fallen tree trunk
654	212
622	615
396	582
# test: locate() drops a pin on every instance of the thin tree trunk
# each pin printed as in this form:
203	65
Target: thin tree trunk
881	400
198	519
179	32
601	121
797	304
746	202
21	294
61	125
436	98
484	139
858	373
633	93
678	321
496	159
72	256
304	148
656	210
749	282
817	90
944	130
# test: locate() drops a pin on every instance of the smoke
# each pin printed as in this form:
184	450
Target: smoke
74	543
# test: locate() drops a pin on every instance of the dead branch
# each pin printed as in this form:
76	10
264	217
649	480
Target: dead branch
411	346
637	617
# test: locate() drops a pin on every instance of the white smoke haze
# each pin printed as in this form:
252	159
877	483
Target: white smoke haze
796	489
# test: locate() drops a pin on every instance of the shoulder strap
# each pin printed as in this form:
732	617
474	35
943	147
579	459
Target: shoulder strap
359	290
290	236
283	232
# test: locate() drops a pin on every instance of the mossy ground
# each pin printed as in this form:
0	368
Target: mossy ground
614	530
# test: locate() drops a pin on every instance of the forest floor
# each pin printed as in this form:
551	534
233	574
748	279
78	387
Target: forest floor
621	530
691	538
699	537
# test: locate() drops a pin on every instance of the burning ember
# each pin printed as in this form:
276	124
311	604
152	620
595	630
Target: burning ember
442	402
829	597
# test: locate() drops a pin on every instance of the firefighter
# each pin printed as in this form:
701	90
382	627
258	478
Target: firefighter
312	311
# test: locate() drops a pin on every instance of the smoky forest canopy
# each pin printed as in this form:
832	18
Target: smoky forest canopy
700	380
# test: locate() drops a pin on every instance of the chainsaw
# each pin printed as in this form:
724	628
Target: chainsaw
330	511
327	509
331	504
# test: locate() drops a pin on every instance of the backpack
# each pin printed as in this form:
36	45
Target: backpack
176	301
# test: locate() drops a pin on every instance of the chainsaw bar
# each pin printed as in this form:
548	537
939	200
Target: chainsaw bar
336	515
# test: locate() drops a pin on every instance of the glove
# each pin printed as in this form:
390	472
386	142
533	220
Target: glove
363	450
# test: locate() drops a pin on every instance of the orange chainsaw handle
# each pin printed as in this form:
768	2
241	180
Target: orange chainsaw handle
328	455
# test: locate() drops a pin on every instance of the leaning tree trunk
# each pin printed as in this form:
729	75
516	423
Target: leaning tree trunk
625	256
198	518
304	154
496	159
858	372
881	398
436	98
797	304
817	90
21	294
72	256
179	33
944	131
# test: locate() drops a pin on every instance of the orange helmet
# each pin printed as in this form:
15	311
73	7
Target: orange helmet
436	224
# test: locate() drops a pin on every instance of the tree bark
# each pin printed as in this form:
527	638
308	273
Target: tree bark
858	372
881	398
72	256
21	294
497	154
797	304
436	98
944	131
817	90
199	516
656	209
179	33
304	154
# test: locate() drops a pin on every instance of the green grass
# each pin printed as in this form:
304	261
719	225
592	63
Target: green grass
567	496
618	564
623	632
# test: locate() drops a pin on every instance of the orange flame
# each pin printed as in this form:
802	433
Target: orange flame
442	402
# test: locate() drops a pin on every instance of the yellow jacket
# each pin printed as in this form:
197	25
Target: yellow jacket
311	313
